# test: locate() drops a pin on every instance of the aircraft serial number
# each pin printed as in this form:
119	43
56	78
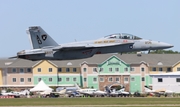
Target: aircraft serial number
148	42
106	41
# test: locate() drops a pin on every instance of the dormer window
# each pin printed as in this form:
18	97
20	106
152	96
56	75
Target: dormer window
69	63
159	63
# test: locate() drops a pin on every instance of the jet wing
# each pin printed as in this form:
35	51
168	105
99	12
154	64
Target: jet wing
12	57
78	47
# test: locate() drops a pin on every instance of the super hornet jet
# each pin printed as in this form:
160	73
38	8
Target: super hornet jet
45	48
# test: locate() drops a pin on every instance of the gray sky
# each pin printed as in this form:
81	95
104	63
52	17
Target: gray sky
67	20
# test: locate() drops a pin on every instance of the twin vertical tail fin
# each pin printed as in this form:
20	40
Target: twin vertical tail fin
147	89
76	85
107	89
39	38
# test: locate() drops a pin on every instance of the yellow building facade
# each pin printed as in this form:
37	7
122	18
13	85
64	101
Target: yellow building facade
1	78
44	67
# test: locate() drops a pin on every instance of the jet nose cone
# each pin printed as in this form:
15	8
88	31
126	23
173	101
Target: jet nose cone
160	45
165	45
171	45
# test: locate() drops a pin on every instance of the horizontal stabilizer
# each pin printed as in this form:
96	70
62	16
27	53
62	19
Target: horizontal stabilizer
13	57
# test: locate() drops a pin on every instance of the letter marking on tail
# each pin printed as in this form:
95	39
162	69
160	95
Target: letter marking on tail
38	39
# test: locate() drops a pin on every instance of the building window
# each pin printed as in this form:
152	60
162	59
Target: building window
125	79
21	70
160	80
125	69
168	69
154	69
110	69
50	79
94	70
132	79
59	79
85	79
116	69
50	69
39	79
67	69
101	79
74	79
142	69
110	79
29	79
13	79
177	79
14	70
101	69
59	70
21	79
39	69
117	79
74	69
142	79
67	79
131	69
160	69
95	79
178	69
84	69
28	69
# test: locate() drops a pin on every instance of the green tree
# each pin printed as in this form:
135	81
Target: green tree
164	52
9	90
155	52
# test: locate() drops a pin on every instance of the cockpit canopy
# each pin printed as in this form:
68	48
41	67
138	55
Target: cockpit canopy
122	36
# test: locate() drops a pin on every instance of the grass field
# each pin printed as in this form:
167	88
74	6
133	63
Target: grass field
142	102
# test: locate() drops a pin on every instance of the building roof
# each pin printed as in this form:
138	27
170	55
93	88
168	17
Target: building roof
23	63
96	59
16	63
5	62
153	60
67	63
166	74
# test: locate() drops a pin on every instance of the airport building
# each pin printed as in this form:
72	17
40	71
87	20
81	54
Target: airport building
168	81
133	71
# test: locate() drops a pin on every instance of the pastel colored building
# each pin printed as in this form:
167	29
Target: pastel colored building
169	81
129	70
54	74
17	74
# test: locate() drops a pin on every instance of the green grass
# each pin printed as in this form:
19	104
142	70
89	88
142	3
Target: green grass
89	101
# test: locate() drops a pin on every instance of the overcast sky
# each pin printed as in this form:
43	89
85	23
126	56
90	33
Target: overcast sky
67	20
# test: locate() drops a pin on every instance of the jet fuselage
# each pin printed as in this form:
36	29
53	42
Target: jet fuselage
45	48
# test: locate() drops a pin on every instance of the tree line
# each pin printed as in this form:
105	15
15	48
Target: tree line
156	52
164	52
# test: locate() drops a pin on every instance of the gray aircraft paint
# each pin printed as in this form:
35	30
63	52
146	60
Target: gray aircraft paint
45	48
39	38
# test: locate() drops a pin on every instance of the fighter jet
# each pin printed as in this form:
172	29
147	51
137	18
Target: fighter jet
45	48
